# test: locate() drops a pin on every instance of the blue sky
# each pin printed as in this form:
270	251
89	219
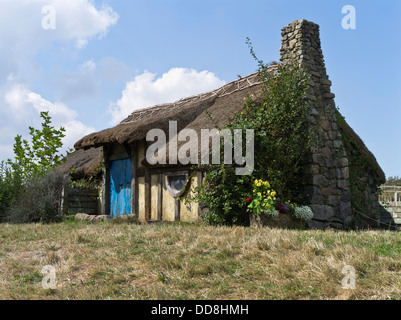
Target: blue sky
106	58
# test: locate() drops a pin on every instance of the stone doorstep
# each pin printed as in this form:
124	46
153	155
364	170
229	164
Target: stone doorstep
92	218
105	218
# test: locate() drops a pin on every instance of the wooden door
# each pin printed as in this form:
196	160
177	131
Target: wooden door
120	187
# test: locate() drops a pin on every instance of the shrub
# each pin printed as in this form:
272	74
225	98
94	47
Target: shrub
10	184
39	199
28	190
302	213
283	137
273	213
224	194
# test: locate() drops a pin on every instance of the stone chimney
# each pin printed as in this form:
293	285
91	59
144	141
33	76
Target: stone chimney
327	174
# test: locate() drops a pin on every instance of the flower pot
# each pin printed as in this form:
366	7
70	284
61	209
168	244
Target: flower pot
283	220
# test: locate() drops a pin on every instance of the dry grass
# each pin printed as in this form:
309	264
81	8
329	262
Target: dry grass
171	261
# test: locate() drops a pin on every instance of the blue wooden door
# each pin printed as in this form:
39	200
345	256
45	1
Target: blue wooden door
120	187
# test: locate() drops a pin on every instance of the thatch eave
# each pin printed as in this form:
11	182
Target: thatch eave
83	163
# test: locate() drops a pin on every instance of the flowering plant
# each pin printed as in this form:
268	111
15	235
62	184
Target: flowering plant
281	206
263	200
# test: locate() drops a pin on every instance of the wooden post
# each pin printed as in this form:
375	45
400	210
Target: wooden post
177	209
199	183
159	197
64	196
133	157
147	195
106	182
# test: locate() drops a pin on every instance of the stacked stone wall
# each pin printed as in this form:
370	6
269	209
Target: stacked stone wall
327	174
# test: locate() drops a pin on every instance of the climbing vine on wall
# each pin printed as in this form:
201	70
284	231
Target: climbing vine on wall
359	171
282	146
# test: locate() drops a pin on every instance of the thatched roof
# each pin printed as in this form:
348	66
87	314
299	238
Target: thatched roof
83	163
189	113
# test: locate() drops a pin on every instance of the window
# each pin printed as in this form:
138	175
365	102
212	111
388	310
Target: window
176	183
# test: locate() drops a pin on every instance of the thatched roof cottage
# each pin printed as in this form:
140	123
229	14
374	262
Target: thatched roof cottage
132	185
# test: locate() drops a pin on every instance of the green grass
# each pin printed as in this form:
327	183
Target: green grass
184	261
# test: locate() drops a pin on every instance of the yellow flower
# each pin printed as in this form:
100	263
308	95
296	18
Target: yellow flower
265	200
259	194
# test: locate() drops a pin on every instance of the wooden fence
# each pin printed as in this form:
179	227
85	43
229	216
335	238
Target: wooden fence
82	201
390	199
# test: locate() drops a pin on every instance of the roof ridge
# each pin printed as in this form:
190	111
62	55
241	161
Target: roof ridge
219	92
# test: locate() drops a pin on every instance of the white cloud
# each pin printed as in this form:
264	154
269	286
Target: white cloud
15	100
22	34
80	20
87	66
76	20
146	90
24	109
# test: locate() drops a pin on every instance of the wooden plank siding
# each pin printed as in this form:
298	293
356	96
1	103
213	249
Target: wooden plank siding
82	201
149	196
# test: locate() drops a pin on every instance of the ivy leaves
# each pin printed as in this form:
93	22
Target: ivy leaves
283	139
282	135
282	145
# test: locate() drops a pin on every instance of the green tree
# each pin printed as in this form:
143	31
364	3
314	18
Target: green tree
32	161
42	153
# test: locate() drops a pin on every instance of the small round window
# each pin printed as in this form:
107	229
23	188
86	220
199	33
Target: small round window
176	183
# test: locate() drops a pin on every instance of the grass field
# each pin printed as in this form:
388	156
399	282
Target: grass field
182	261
